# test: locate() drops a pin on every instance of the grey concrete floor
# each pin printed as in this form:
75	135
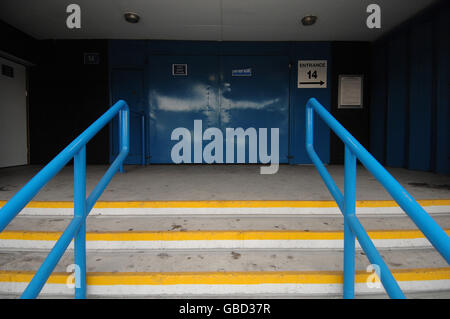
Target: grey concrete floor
225	260
216	223
222	182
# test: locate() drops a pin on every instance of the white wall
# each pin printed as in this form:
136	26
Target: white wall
13	117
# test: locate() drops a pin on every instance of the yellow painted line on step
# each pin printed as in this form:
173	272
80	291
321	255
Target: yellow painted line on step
231	204
228	278
213	235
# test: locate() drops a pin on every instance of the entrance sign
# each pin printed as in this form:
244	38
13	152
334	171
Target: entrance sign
312	74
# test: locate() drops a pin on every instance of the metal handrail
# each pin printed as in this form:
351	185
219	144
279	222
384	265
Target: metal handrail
82	206
346	203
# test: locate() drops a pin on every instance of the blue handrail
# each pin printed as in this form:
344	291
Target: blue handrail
82	206
346	203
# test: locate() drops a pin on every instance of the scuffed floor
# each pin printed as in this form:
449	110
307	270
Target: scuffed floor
222	182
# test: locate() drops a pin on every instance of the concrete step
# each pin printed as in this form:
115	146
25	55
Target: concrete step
227	207
216	222
222	249
219	273
440	294
214	232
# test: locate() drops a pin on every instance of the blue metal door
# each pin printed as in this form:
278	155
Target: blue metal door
176	100
128	84
218	91
255	93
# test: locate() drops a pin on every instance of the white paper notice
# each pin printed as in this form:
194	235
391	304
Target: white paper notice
350	91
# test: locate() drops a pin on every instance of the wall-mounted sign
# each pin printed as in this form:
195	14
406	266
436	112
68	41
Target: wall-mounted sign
242	72
179	69
350	92
91	58
312	74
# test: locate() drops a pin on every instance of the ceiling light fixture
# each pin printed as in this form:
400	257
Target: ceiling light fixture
309	20
131	17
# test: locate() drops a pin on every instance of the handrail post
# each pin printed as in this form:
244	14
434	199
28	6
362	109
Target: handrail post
124	133
143	138
120	137
80	211
349	236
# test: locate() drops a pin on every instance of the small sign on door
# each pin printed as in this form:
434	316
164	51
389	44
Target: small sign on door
242	72
312	74
179	69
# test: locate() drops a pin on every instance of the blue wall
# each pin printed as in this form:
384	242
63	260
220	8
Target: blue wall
139	54
397	86
410	94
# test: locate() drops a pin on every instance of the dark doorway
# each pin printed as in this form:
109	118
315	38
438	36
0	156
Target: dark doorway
350	58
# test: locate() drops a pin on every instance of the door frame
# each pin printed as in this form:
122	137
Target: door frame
26	64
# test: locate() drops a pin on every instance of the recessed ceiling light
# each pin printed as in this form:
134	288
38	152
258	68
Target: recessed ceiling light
131	17
309	20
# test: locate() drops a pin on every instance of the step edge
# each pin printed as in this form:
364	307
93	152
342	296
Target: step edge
212	235
233	278
229	203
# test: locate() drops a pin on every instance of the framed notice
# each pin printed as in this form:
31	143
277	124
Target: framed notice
179	69
350	92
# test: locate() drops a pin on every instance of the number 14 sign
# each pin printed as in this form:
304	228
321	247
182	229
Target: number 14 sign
312	74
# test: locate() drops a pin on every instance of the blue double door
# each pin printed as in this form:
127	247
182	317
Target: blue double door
222	92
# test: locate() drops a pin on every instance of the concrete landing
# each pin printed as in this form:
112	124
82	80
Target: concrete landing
222	182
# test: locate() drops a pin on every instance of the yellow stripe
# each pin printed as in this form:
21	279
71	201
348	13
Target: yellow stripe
224	278
231	204
214	235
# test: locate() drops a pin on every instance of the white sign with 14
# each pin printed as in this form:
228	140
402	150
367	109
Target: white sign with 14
312	74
